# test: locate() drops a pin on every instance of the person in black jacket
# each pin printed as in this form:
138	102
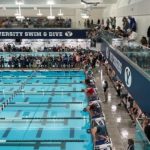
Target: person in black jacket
147	129
130	144
148	35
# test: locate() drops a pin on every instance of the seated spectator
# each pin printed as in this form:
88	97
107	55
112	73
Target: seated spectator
144	41
90	91
135	112
94	109
89	83
99	133
119	32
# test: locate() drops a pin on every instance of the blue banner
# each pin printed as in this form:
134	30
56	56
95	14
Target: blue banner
137	83
43	34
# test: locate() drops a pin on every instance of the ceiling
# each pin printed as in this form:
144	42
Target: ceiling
57	3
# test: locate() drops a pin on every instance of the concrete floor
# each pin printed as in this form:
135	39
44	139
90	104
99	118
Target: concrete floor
119	124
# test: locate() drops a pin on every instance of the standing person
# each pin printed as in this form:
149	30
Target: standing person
130	144
118	88
92	22
113	22
125	24
102	22
98	21
107	23
105	88
132	24
85	23
148	35
88	23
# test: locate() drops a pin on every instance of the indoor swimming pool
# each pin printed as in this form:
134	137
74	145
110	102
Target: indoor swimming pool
42	110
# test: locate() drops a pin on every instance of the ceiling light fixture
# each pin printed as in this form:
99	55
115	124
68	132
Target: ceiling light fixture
60	13
19	2
39	13
19	17
84	16
18	13
50	13
50	3
35	8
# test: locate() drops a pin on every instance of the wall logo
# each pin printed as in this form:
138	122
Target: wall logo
68	34
107	53
128	77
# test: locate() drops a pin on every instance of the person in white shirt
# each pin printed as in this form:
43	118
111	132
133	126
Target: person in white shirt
132	36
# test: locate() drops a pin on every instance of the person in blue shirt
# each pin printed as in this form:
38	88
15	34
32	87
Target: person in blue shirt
132	24
65	60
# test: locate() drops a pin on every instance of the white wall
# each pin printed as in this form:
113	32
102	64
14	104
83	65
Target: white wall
140	9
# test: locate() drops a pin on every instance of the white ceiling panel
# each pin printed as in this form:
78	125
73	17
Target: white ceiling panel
56	2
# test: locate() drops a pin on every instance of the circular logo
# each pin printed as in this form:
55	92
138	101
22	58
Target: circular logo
68	34
107	53
128	77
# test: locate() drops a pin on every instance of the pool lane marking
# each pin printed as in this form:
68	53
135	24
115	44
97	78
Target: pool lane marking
56	82
45	115
37	81
18	81
51	84
32	89
74	91
18	113
58	118
74	100
37	145
49	102
42	141
39	132
41	77
73	113
48	105
41	118
25	100
71	132
6	133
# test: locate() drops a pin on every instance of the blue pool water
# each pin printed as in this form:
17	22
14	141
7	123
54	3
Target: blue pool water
45	111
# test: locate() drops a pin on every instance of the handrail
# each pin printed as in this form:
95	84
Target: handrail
140	69
130	61
141	130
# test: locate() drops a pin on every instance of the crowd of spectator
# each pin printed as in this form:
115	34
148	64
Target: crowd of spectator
98	128
14	48
35	22
125	97
65	60
90	23
128	101
128	29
